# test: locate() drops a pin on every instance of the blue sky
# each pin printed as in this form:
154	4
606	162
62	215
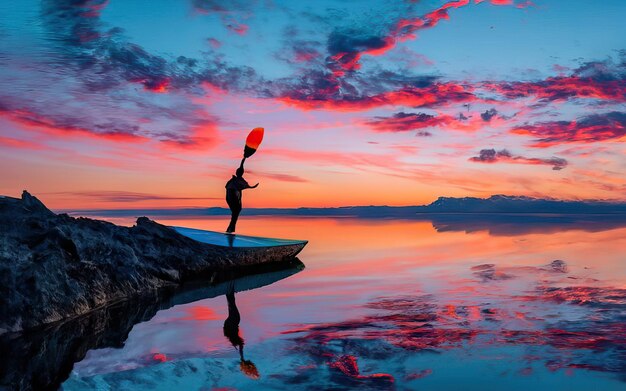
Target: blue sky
513	42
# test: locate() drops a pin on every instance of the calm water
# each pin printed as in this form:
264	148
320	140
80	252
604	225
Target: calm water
395	305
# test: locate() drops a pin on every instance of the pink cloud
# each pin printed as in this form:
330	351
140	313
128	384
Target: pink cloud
20	144
432	95
278	176
238	28
53	126
468	122
204	136
588	129
562	88
214	43
504	156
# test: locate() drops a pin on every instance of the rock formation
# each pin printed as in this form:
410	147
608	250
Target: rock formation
53	267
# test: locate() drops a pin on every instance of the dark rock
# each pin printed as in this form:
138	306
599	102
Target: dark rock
42	359
55	266
33	204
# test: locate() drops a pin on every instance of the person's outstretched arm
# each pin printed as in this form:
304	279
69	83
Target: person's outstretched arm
253	187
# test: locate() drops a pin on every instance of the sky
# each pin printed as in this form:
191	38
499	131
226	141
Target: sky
147	103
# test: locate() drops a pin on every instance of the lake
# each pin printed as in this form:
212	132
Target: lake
389	304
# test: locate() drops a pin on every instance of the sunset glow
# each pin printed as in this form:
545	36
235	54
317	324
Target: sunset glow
114	104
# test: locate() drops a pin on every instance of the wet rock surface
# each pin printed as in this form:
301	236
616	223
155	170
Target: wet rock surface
54	267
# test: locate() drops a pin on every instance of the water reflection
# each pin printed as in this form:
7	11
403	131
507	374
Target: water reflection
43	359
496	224
231	332
396	304
560	320
500	224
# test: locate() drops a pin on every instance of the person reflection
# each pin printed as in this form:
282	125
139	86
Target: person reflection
231	332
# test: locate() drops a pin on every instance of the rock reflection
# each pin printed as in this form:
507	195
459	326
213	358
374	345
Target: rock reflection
43	359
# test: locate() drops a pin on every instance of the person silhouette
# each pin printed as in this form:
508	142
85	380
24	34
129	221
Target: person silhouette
231	332
234	187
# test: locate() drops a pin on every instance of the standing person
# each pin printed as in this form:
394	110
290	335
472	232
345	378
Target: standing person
234	187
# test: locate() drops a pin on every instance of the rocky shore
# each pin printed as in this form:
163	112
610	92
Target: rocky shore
54	267
43	359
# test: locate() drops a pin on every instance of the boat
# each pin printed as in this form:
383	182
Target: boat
243	246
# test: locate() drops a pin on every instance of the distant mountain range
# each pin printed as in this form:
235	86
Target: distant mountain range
497	204
520	204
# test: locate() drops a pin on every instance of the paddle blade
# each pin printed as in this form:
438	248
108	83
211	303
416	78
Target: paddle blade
253	141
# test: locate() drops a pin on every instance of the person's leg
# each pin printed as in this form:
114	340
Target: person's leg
233	221
235	216
235	209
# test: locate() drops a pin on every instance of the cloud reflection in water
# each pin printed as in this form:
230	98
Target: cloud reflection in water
577	322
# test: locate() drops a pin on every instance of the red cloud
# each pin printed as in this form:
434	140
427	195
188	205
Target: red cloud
305	55
592	128
403	122
349	60
204	134
430	95
159	85
52	126
238	28
562	88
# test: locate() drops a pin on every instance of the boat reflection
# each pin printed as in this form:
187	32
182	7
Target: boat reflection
43	359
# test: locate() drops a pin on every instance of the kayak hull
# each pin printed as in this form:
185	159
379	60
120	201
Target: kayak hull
246	250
